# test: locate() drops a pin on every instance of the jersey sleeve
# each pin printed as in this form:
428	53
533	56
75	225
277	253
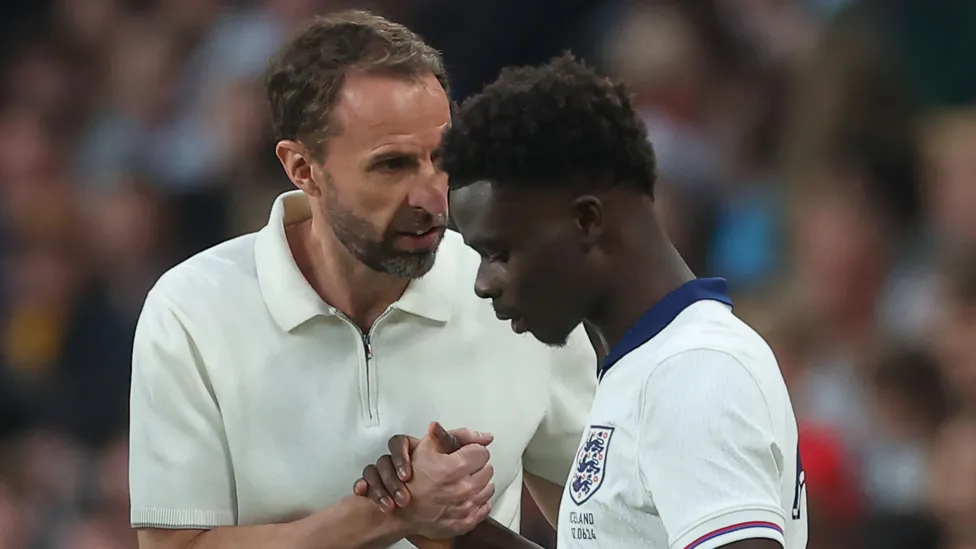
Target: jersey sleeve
707	452
572	386
179	465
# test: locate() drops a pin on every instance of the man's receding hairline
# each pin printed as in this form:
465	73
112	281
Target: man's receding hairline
334	124
388	48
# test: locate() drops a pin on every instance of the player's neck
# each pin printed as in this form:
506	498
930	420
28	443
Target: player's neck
645	273
341	280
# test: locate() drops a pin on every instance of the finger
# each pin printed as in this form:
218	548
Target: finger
471	458
391	481
400	448
360	488
466	436
467	523
481	514
473	498
446	442
472	492
377	492
477	482
485	495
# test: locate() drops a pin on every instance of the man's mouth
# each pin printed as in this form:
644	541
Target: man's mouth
518	322
421	238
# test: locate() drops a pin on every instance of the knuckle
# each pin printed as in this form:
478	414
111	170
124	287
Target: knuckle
484	496
467	487
367	471
386	472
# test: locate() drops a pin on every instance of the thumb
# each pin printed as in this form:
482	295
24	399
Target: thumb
466	436
445	442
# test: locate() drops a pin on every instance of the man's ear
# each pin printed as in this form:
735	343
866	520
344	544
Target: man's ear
297	162
589	220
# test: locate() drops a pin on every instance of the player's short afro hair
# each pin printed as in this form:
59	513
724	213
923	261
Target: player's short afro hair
550	125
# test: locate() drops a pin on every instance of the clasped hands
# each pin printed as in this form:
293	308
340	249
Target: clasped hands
438	486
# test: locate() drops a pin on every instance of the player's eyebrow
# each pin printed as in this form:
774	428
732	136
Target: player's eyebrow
483	244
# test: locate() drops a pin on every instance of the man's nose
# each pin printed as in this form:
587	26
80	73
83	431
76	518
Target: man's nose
488	282
430	192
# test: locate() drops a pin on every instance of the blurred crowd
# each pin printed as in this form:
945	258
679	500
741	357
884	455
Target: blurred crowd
819	154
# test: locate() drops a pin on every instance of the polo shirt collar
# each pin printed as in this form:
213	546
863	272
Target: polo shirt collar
290	298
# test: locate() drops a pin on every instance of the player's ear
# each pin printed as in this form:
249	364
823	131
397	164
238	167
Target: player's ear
589	220
298	165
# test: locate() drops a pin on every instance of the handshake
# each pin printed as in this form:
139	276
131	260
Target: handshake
438	486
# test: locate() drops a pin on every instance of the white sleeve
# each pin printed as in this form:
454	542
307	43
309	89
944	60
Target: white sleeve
179	465
707	452
572	386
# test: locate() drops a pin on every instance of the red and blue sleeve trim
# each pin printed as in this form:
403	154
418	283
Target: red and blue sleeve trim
733	528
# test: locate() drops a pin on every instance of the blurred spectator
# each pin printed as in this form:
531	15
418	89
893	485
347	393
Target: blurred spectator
953	486
136	126
833	494
910	402
955	330
904	531
18	516
950	152
665	59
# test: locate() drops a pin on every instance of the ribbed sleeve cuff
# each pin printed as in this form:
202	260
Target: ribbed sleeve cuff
184	519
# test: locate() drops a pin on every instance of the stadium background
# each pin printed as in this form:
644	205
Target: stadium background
820	154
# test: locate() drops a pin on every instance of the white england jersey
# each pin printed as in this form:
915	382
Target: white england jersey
692	441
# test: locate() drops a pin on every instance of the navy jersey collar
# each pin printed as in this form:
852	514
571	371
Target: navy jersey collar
663	312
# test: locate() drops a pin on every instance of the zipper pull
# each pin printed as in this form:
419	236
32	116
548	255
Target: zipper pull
369	348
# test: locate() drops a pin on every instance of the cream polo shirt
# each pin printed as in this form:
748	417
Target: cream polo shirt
253	401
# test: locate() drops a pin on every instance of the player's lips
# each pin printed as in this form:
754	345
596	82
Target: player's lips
518	323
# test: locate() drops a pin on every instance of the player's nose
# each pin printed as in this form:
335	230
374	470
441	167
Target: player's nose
488	282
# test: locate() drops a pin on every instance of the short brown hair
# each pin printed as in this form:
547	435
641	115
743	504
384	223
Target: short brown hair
304	79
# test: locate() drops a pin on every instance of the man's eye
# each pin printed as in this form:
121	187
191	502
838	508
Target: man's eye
498	257
394	163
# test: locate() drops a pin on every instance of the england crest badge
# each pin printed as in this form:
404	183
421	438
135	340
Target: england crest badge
591	463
